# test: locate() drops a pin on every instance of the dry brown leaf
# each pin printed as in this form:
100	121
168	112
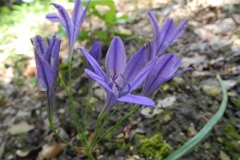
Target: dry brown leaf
90	139
51	151
81	150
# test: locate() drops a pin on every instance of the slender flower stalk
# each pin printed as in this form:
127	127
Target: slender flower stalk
71	25
47	63
121	78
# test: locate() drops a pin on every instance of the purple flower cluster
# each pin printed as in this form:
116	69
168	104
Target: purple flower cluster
148	67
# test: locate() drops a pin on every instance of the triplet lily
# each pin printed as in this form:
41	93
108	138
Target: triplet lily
167	65
121	77
164	69
47	63
71	25
165	36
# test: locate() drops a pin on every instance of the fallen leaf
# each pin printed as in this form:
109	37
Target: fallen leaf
21	127
51	151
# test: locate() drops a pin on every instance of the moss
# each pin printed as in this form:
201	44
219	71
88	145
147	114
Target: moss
231	141
154	147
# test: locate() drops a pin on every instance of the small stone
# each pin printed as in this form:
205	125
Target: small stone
136	157
119	153
167	118
61	111
211	91
219	139
207	145
191	130
179	80
224	156
120	135
182	134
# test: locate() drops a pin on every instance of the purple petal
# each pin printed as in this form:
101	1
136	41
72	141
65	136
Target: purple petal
155	26
97	78
66	22
143	74
53	17
116	57
98	70
165	37
78	17
135	64
177	65
47	54
39	45
161	70
179	31
55	58
44	72
130	98
96	51
151	51
77	12
177	74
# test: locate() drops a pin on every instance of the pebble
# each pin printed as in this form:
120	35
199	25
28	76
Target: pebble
191	130
224	156
211	91
120	135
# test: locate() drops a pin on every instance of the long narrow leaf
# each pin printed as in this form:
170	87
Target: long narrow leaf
205	130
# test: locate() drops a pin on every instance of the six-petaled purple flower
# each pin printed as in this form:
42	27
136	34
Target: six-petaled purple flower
71	25
121	77
47	63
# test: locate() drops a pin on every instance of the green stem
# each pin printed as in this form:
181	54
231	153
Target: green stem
119	122
94	142
70	77
55	132
76	120
109	117
90	156
86	109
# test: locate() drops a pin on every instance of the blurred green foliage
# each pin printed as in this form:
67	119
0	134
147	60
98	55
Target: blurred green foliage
110	19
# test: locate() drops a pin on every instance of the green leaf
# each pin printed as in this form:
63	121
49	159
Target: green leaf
205	130
108	15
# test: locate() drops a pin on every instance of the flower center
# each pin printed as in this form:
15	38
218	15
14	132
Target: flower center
117	85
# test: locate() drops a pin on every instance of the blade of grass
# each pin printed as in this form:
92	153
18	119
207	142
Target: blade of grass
205	130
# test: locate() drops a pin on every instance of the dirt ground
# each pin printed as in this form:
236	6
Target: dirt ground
210	44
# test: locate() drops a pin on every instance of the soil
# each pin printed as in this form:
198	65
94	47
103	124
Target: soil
184	105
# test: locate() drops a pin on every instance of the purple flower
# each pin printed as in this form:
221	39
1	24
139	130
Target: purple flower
96	53
71	25
165	36
164	69
47	63
167	65
121	78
